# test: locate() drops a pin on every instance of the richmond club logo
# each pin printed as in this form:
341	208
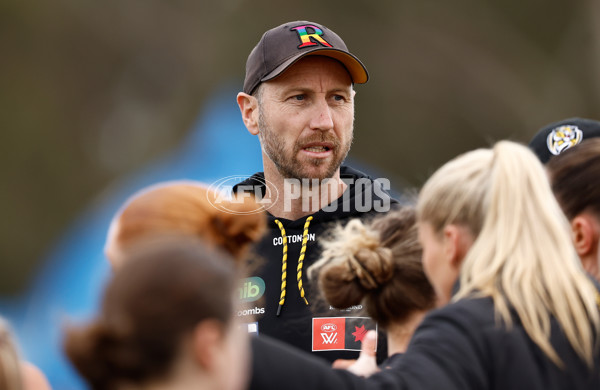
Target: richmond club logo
562	138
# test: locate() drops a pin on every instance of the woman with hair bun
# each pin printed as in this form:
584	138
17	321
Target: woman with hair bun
378	264
185	208
518	310
166	322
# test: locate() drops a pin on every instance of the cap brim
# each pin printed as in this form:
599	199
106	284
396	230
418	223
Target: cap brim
358	72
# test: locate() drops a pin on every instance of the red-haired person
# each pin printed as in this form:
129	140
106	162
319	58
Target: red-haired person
185	208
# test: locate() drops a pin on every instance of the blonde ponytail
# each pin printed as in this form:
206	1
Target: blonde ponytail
522	256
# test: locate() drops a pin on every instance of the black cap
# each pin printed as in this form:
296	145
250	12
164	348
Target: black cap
557	137
282	46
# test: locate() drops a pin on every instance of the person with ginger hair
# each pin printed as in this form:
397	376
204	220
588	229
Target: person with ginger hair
185	208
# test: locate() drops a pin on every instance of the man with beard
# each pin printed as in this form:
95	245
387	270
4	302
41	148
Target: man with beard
298	98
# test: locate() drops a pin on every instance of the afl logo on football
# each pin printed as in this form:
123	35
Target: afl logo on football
562	138
329	327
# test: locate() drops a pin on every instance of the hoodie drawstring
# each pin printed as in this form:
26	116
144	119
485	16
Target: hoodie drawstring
283	267
301	258
284	263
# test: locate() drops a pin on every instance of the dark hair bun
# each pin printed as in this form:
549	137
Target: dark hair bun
376	264
373	266
352	263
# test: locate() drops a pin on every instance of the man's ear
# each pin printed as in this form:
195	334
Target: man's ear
457	242
207	342
584	234
249	108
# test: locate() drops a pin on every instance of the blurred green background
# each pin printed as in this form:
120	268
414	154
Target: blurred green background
93	90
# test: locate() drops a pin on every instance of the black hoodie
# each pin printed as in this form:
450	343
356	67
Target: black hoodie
330	333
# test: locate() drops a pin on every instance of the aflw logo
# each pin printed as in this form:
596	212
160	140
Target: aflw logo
340	333
329	338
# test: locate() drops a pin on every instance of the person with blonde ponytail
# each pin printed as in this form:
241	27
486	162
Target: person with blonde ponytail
489	219
518	310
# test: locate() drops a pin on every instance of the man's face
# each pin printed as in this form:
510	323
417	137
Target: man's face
306	118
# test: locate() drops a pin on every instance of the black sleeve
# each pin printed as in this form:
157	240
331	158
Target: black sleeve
446	353
277	366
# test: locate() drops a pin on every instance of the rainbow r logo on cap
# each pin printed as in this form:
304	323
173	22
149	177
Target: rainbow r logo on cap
305	37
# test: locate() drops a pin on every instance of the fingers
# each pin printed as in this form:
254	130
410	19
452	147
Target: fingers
366	364
369	344
343	364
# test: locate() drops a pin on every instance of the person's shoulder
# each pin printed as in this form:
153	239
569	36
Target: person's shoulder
467	314
278	365
449	349
475	307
